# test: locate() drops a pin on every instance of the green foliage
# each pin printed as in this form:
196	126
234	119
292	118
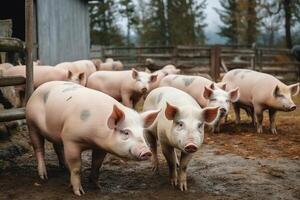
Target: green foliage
103	26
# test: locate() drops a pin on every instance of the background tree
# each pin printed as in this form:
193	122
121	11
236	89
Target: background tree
103	26
127	10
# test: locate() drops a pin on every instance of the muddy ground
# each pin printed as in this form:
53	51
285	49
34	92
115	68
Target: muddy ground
235	164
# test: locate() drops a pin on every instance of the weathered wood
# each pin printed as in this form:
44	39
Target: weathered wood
215	62
11	44
12	114
12	80
29	47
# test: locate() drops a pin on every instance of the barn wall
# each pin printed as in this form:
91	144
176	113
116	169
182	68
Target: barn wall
63	30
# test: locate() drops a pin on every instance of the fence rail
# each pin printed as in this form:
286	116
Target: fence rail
207	59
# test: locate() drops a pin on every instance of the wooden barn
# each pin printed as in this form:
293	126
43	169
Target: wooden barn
60	28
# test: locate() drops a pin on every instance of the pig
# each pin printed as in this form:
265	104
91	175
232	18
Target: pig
97	63
41	74
166	70
258	92
111	66
179	125
206	93
78	71
126	86
109	60
96	122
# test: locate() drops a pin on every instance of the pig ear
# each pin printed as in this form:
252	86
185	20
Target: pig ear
170	111
82	78
153	78
149	117
115	117
234	94
210	114
294	89
134	73
207	92
276	91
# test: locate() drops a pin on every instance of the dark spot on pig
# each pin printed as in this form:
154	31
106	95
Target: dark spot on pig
165	73
69	83
46	96
84	115
159	97
69	98
242	76
236	72
71	88
188	81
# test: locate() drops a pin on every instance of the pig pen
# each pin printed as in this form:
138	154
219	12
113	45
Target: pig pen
235	164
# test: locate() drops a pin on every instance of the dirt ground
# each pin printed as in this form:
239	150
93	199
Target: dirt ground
235	164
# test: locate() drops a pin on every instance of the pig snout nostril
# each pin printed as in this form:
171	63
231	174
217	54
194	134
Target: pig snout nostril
293	108
145	155
190	148
144	90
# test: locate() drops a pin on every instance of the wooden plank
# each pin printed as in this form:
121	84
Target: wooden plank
29	48
11	44
148	55
12	114
12	80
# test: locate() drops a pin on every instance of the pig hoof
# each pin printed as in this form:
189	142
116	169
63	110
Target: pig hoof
79	191
173	182
259	130
43	174
183	186
274	131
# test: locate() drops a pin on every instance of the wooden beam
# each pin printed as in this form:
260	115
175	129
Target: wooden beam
12	114
12	80
29	47
11	44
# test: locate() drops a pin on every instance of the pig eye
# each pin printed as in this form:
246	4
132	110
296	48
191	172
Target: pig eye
179	124
138	79
213	99
227	101
125	134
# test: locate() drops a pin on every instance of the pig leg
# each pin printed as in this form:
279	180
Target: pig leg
236	109
170	156
258	118
58	148
184	160
127	101
153	147
272	114
38	142
73	159
97	159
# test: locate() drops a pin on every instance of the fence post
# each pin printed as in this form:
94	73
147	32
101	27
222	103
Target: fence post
215	62
138	55
174	56
29	47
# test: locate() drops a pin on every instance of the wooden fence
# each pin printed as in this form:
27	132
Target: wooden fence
212	60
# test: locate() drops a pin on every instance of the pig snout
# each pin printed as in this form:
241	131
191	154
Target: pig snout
190	148
144	90
291	108
145	155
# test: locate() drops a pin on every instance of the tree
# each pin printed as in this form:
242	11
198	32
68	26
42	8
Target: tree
103	26
230	16
287	10
127	10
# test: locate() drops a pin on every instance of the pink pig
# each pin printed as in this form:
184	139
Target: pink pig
126	86
75	118
78	71
205	92
259	92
